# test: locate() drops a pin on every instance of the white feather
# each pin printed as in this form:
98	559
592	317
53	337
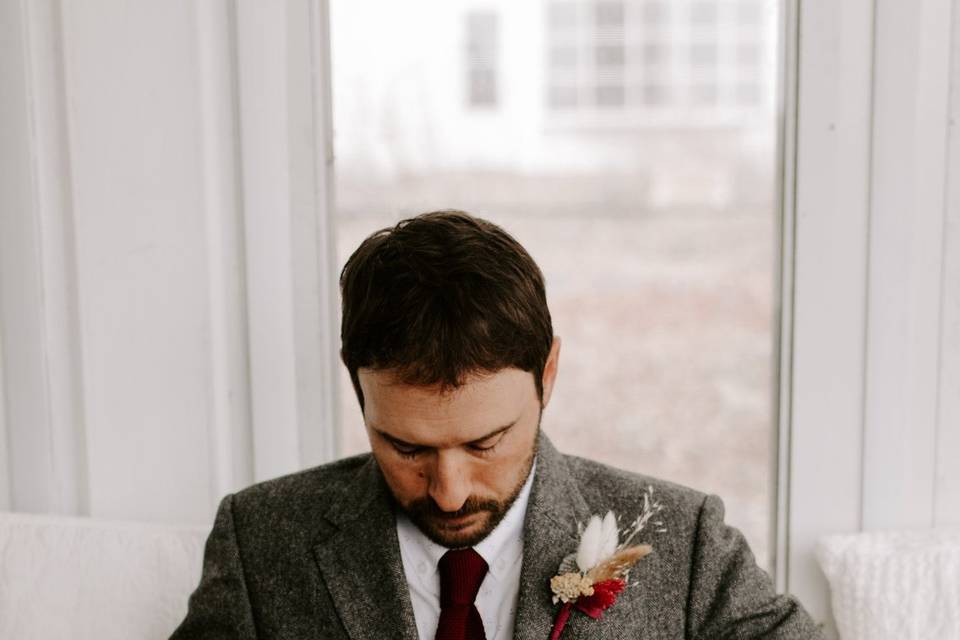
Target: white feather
588	552
609	535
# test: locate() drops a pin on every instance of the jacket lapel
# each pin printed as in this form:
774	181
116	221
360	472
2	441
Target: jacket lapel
359	559
358	554
550	533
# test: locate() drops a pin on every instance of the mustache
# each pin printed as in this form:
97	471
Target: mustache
427	508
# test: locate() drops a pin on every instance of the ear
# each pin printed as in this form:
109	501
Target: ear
550	370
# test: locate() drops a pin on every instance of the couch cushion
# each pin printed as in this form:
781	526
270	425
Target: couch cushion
901	585
80	578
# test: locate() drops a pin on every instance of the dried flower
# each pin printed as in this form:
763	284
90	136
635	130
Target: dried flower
618	565
570	586
591	578
597	541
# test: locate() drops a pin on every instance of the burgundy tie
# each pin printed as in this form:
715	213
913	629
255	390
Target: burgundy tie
461	572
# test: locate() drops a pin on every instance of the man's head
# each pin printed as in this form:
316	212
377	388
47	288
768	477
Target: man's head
450	347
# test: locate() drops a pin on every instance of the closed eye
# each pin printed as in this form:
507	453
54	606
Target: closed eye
485	447
407	451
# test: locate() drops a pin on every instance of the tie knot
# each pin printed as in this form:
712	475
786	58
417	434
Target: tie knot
461	572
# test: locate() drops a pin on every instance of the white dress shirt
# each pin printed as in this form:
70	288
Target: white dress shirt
497	599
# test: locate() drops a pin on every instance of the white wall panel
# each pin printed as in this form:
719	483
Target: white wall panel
20	282
38	290
261	32
133	101
317	327
947	503
874	405
912	55
831	212
284	122
231	464
164	246
6	500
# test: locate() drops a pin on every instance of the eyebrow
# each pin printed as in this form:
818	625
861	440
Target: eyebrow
404	443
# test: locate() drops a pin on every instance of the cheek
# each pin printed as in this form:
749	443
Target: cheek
500	477
509	469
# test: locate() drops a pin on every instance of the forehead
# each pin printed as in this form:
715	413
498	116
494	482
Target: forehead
417	413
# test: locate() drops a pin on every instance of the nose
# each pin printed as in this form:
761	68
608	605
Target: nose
449	484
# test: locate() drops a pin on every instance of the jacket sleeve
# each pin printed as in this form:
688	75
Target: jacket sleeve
219	608
730	596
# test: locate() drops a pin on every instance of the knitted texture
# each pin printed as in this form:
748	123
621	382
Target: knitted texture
895	585
90	579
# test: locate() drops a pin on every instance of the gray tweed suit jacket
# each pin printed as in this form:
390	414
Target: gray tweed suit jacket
315	555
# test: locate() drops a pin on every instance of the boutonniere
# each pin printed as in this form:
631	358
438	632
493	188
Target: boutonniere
590	579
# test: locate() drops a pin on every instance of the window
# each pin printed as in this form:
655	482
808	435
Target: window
482	47
651	216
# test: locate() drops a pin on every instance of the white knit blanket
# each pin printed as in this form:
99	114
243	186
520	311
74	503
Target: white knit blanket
895	585
79	579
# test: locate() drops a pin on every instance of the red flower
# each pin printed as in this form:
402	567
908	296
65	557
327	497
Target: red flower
604	594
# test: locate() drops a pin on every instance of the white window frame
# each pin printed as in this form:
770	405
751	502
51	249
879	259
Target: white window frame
864	388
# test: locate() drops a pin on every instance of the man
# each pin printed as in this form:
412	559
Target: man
455	523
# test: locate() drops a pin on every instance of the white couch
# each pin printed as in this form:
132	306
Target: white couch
84	579
900	585
78	578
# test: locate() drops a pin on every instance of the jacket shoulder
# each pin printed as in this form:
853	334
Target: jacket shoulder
602	485
302	496
606	488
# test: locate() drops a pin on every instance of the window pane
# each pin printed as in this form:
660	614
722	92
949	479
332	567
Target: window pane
655	54
749	13
703	54
654	12
482	44
563	15
634	158
563	96
610	95
703	14
609	56
705	94
609	14
563	56
655	95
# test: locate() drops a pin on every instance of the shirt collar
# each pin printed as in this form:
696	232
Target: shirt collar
501	549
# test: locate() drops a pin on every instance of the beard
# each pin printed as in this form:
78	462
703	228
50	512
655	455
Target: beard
440	526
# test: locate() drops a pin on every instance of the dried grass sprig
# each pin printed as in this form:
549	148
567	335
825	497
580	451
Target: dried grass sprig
617	565
649	509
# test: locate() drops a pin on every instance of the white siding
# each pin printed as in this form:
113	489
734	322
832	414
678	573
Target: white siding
164	244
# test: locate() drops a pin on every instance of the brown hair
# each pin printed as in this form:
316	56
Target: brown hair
441	296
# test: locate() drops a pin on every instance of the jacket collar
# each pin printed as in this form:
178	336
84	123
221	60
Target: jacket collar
358	554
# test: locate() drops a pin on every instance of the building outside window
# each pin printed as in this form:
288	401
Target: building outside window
689	61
